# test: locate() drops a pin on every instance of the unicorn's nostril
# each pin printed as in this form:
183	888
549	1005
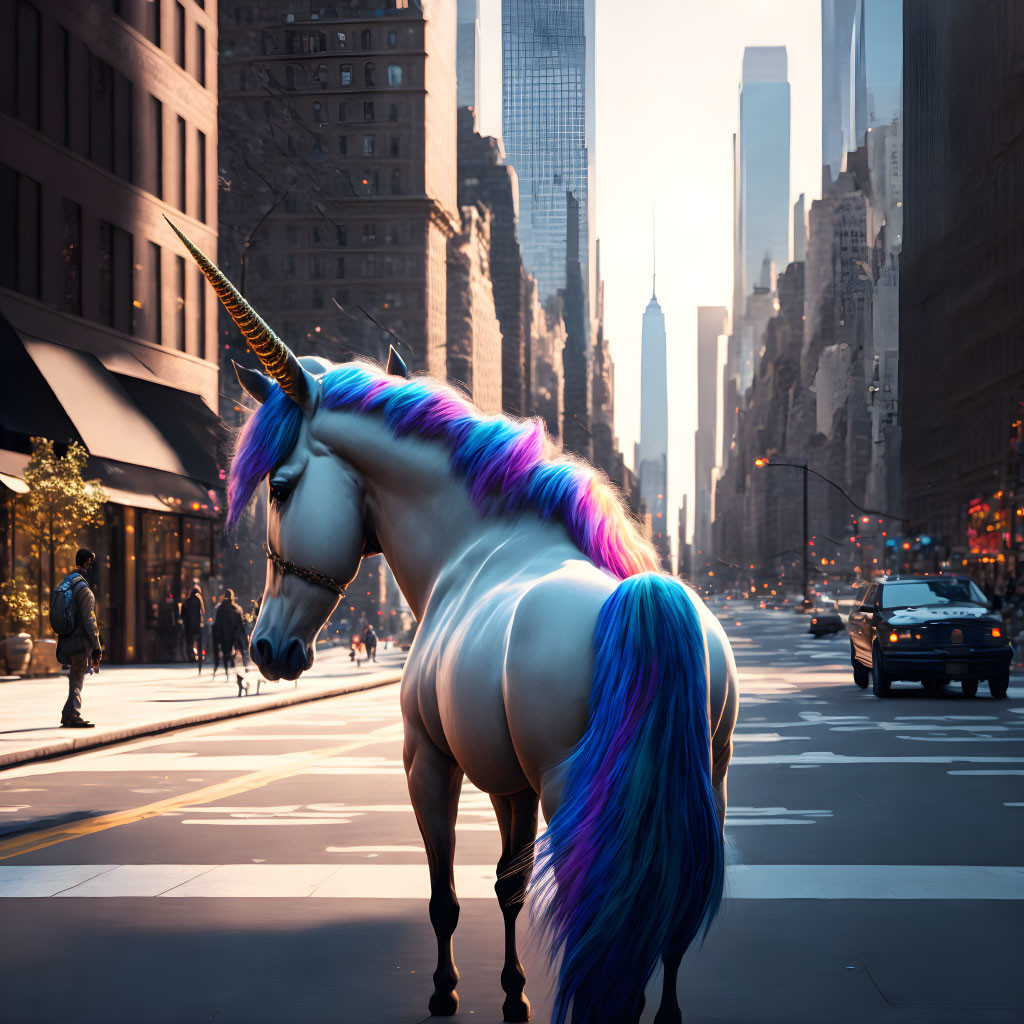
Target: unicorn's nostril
264	651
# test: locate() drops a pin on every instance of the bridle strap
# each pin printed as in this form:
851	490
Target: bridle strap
318	579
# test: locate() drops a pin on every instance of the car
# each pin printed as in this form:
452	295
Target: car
824	622
928	629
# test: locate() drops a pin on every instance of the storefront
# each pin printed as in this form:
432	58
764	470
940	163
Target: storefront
154	450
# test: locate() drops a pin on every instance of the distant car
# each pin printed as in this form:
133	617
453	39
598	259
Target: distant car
824	622
928	629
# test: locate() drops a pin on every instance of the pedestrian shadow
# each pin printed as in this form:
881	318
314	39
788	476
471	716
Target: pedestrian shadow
35	728
26	826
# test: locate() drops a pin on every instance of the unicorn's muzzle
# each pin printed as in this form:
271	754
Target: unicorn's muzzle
286	659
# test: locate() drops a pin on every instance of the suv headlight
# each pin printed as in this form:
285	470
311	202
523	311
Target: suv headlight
895	636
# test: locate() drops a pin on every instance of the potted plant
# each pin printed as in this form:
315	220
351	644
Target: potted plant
19	610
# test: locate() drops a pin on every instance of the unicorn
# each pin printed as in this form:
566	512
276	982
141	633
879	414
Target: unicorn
554	666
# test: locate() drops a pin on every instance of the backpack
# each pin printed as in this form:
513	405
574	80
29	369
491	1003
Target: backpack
64	607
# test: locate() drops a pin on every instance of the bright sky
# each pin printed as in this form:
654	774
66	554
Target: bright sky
668	73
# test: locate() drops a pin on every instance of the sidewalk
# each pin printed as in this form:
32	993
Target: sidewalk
139	700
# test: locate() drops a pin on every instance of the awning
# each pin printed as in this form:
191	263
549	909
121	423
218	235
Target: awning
12	471
140	487
186	422
108	421
28	406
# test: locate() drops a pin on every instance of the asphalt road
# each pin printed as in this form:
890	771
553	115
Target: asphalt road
876	870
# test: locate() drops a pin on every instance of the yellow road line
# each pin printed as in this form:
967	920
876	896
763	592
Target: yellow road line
32	841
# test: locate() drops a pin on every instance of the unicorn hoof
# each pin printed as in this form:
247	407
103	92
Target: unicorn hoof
516	1011
443	1004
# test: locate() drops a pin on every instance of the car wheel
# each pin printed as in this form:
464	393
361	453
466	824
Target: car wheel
969	686
997	685
881	681
861	674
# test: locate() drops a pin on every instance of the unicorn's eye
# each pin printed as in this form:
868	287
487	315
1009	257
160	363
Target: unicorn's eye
279	491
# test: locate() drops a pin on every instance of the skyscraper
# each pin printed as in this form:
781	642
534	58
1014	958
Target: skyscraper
652	452
547	56
763	165
862	83
712	322
467	58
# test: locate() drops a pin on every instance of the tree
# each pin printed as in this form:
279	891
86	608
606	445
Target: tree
16	604
58	505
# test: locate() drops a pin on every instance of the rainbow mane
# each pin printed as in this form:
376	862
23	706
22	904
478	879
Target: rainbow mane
509	465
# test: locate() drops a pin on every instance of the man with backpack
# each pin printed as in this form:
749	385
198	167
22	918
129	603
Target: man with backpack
73	619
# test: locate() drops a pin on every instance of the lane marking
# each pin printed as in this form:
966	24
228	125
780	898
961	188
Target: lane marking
39	840
476	881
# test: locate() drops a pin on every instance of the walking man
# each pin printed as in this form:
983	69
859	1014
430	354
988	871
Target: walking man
192	612
370	643
73	619
229	636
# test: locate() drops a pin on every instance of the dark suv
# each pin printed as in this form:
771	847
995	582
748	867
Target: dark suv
931	629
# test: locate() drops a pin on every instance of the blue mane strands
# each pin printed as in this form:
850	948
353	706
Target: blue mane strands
506	463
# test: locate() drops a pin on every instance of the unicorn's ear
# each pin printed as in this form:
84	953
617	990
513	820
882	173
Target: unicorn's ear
255	384
396	366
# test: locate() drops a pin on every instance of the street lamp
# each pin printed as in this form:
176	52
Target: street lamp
763	461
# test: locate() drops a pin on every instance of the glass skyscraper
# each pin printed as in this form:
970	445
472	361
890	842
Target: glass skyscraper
763	165
547	56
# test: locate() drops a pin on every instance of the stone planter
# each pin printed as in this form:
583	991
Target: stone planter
44	659
18	653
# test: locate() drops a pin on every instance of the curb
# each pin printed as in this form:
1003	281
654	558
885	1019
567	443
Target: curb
74	746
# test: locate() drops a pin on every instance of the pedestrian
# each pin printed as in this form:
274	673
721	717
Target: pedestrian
370	643
355	648
229	635
192	614
73	619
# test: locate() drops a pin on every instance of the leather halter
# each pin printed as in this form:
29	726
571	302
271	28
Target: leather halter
318	579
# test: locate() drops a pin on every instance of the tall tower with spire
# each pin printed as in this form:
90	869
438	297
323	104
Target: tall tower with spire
652	451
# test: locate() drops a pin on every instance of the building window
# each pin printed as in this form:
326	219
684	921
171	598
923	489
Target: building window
342	40
200	309
396	145
343	145
368	111
27	64
368	145
182	167
318	147
369	232
201	173
394	74
340	267
370	265
392	39
396	182
316	267
61	87
289	265
342	232
342	113
71	256
105	273
318	112
19	232
321	75
156	114
315	233
395	112
366	39
346	74
179	304
201	55
155	294
101	113
369	69
179	34
153	21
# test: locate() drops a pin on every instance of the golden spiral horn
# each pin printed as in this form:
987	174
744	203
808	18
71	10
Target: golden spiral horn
277	358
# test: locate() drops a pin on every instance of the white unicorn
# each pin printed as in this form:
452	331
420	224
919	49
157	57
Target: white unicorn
552	664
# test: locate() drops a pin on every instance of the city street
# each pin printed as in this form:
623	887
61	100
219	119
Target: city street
269	869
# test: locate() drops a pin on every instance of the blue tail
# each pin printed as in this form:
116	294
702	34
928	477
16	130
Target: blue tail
633	860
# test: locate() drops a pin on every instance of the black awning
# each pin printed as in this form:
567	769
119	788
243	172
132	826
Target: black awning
141	487
28	406
194	432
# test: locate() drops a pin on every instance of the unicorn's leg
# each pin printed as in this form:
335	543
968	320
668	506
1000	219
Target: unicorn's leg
517	820
435	782
668	1011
